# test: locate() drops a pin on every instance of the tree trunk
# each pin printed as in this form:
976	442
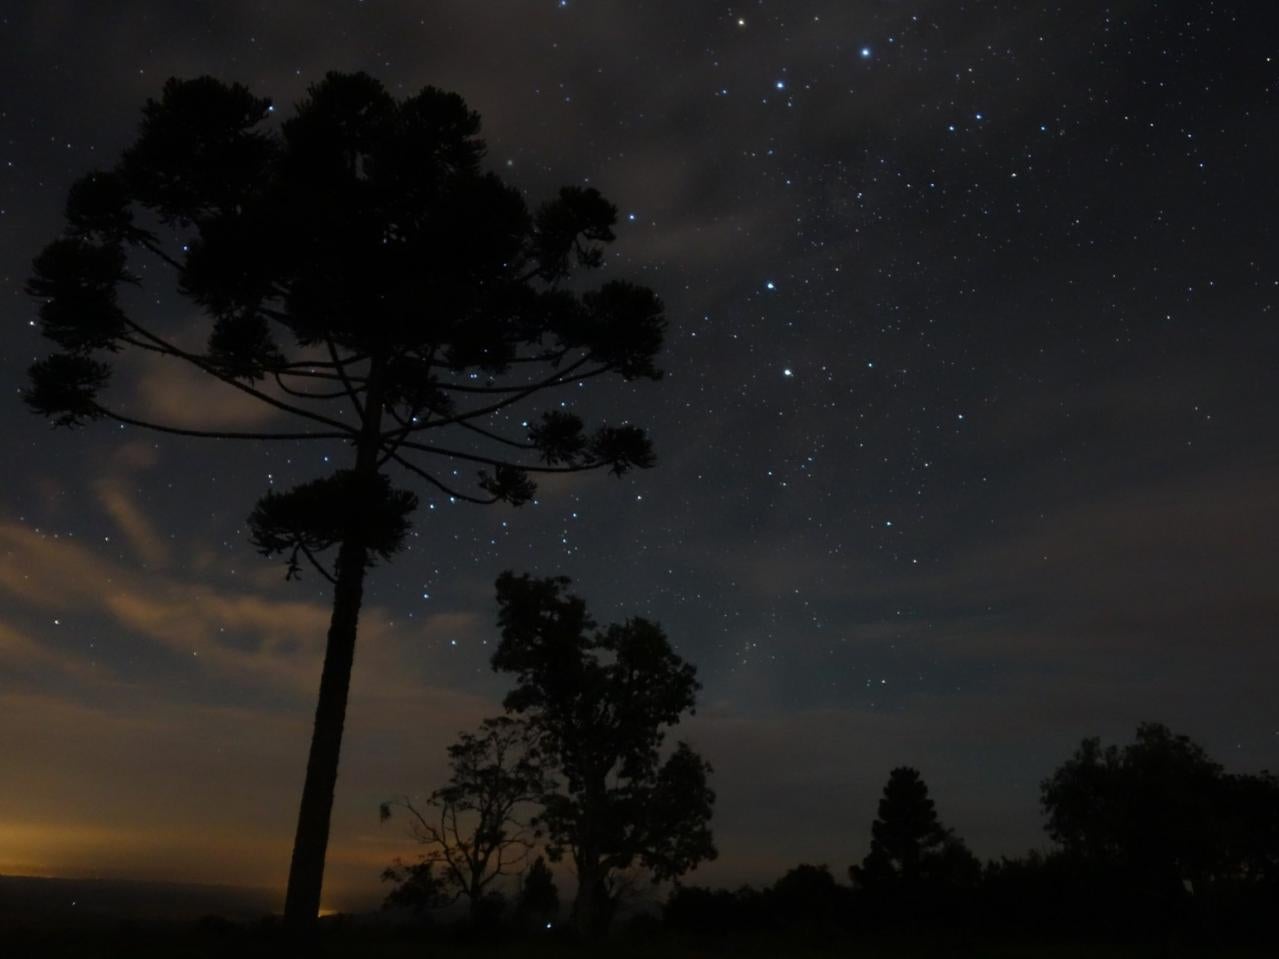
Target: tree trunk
584	905
306	872
593	906
310	842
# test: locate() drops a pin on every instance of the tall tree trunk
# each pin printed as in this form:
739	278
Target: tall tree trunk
306	872
592	895
310	842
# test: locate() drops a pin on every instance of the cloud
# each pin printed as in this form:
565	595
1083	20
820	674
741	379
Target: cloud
119	505
20	653
172	393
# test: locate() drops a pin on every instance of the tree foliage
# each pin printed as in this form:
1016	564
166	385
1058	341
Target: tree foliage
601	699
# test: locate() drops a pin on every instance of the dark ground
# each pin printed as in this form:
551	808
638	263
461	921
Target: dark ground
210	938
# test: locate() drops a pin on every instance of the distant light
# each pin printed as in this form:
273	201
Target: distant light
631	217
781	84
865	52
741	22
770	285
788	372
981	116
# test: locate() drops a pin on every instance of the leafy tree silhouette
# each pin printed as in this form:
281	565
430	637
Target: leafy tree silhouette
361	275
808	898
600	699
418	888
1163	813
1251	847
471	827
909	845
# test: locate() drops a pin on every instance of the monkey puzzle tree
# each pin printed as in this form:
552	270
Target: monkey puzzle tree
360	274
600	700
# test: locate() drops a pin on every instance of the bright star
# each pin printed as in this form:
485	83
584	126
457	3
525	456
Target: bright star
865	52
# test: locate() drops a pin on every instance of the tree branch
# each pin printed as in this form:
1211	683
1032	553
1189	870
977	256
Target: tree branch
346	383
149	244
447	491
303	394
490	461
556	379
319	568
164	346
214	434
510	400
506	441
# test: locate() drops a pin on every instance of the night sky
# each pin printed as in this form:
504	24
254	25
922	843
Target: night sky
967	441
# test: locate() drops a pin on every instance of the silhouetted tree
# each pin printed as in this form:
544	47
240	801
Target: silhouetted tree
701	911
808	897
909	845
1251	844
360	274
417	888
1163	813
471	827
539	899
600	699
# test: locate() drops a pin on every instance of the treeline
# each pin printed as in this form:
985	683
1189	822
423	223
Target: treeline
1150	836
1148	840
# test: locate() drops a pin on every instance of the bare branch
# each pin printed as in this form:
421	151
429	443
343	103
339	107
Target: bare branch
496	437
199	362
558	378
490	461
305	394
513	399
346	382
149	244
215	434
319	568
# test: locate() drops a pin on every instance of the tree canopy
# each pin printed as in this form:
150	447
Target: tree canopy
601	699
1161	811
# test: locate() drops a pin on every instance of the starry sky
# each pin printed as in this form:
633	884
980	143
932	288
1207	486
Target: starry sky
967	442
